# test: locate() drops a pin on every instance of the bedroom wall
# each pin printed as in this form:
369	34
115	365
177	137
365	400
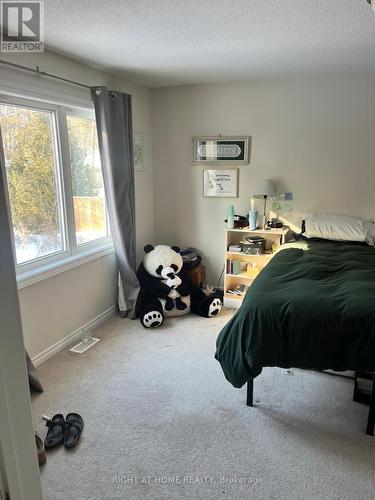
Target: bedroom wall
54	308
313	136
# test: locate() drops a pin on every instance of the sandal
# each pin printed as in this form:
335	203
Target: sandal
73	429
41	452
55	434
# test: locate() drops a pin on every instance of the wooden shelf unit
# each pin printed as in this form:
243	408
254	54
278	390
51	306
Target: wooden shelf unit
235	236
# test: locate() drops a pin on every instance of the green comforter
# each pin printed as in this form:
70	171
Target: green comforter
313	306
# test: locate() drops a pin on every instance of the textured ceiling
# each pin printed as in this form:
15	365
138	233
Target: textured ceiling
169	42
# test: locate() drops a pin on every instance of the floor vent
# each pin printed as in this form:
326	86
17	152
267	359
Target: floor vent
84	345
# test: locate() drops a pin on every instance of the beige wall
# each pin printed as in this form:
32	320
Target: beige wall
56	307
61	304
314	136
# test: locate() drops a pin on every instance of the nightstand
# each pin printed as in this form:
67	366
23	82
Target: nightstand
274	238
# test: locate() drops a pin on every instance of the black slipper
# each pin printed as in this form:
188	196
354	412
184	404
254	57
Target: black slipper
73	429
55	434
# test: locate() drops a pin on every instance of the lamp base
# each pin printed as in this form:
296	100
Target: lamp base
264	222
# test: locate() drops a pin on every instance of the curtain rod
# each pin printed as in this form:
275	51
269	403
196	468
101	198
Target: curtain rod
43	73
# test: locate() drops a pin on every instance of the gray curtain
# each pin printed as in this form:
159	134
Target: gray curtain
113	111
33	377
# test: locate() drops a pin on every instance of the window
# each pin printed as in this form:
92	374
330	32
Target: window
87	180
55	182
30	160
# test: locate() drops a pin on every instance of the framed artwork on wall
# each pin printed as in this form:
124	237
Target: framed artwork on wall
138	150
221	150
220	183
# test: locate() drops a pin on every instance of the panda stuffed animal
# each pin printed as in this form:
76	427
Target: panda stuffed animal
166	290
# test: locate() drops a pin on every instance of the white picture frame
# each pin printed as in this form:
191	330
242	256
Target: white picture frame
218	183
139	150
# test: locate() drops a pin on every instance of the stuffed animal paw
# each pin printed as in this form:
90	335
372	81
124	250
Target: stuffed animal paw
215	307
181	306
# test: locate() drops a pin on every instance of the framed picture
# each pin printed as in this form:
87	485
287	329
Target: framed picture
224	150
138	150
220	183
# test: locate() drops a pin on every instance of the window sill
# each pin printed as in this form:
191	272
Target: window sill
46	271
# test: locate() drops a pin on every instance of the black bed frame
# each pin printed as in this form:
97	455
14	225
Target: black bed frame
250	392
358	397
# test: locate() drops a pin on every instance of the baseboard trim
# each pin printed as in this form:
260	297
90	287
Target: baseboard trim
72	337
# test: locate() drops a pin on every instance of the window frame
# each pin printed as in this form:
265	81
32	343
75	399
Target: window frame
72	254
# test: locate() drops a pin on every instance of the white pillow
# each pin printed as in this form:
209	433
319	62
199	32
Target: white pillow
370	233
339	227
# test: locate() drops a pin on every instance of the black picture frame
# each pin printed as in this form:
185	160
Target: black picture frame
229	150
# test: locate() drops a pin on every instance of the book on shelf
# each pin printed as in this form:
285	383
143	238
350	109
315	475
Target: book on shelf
233	266
235	248
239	290
229	266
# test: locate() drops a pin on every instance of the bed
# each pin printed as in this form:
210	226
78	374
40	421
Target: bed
312	306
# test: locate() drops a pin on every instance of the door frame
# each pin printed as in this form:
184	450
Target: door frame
20	474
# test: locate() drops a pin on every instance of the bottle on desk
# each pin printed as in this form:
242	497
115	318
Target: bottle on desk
230	217
253	219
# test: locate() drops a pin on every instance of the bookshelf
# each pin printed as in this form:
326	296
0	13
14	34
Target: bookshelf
235	236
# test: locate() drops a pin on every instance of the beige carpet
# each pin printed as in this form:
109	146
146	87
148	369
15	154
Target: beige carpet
161	422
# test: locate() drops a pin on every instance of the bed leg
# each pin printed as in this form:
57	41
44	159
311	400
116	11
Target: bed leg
250	392
355	392
371	413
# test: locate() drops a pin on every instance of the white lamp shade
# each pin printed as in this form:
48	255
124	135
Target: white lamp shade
265	188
